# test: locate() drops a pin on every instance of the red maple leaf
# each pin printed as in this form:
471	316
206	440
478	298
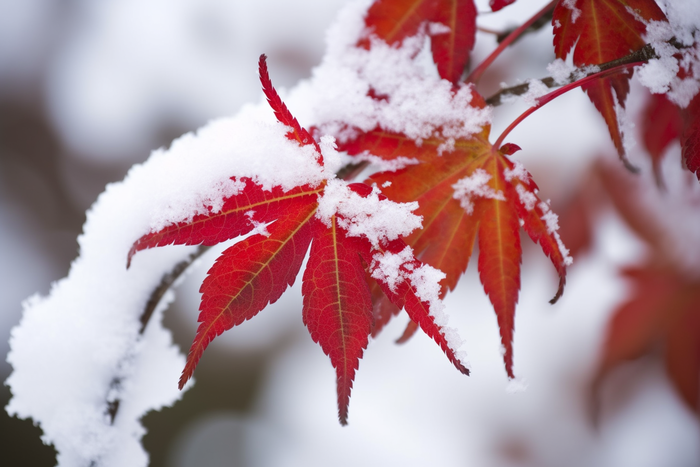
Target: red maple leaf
603	30
690	137
451	25
337	307
473	190
663	311
661	125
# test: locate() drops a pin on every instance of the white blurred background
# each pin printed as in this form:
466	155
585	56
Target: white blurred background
89	88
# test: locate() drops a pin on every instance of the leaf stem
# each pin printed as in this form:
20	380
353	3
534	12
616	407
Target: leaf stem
541	101
475	75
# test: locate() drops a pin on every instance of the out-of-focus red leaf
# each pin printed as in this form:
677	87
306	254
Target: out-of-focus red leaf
450	23
690	138
603	30
663	311
499	4
661	125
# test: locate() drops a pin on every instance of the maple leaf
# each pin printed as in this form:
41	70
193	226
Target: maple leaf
451	25
663	122
604	30
473	190
663	310
690	136
661	125
353	231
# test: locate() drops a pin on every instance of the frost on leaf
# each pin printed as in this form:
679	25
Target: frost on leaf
346	227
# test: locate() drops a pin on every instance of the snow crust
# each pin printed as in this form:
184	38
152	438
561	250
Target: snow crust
83	340
475	185
370	217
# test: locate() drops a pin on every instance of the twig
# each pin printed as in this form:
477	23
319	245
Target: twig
644	54
509	39
538	24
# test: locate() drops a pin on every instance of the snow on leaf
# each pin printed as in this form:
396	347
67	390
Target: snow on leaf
451	41
603	30
345	224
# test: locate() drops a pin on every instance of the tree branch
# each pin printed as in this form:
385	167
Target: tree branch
644	54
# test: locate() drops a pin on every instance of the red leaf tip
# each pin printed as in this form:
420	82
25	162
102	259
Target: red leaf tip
282	113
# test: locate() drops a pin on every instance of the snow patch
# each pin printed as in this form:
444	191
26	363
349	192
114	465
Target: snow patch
370	217
560	71
435	29
575	12
475	185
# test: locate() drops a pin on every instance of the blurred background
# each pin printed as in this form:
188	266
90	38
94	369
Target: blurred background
88	89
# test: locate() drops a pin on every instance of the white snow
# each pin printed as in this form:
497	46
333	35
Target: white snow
475	185
435	29
552	222
535	90
389	268
370	217
560	70
528	199
575	11
518	171
660	75
387	165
